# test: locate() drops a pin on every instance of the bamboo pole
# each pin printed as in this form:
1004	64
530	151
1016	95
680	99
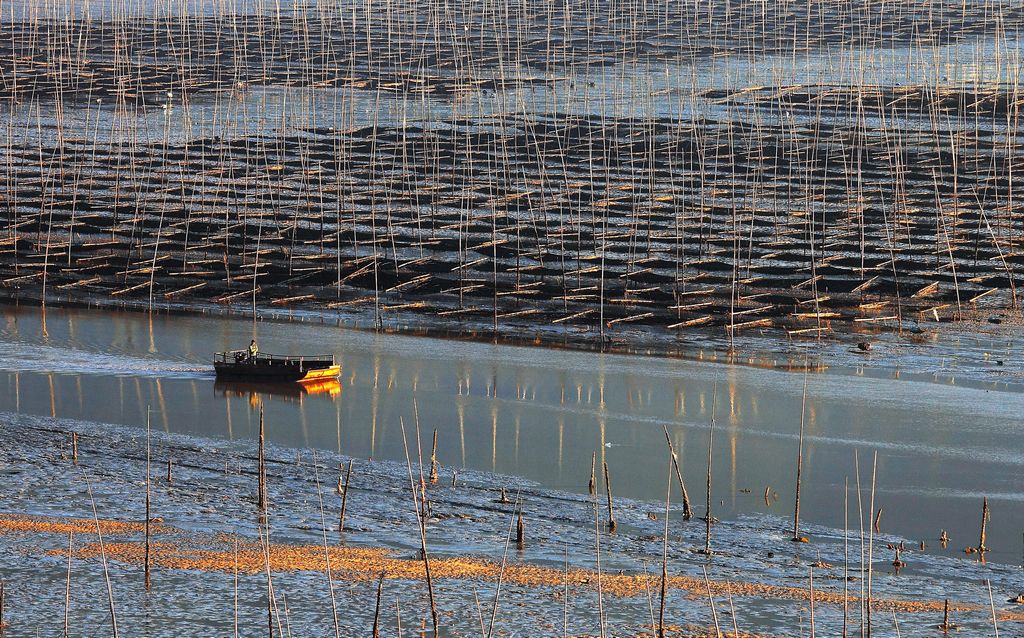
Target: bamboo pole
501	570
982	548
344	496
711	602
148	500
592	486
711	447
103	558
67	588
421	523
261	484
327	553
687	511
608	494
799	466
664	553
376	608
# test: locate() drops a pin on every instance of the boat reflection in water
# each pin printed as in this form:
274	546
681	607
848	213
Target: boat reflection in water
255	391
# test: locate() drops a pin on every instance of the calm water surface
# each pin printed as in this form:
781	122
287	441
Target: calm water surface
541	414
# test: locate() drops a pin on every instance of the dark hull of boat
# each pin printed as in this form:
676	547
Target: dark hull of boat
277	371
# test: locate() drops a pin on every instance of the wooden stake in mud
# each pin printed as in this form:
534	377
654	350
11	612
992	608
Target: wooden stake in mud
687	512
74	448
664	549
261	488
170	471
433	459
592	487
608	492
984	522
520	530
711	447
945	626
799	467
376	609
344	497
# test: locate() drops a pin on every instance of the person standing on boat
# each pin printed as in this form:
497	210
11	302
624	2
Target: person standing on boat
253	350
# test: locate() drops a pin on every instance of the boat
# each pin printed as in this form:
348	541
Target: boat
238	365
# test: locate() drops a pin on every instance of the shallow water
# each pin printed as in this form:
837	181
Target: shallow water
541	414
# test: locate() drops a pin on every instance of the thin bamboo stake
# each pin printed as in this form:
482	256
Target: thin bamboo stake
327	554
992	606
608	494
846	555
650	596
799	466
433	459
711	447
398	617
479	613
103	558
871	539
664	553
946	625
67	587
687	512
565	595
984	522
810	576
501	569
236	585
592	486
148	499
600	584
711	602
261	486
732	612
376	608
423	531
344	496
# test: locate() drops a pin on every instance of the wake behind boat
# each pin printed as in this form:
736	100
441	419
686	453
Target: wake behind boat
240	365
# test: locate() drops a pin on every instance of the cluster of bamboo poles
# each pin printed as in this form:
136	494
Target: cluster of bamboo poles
530	162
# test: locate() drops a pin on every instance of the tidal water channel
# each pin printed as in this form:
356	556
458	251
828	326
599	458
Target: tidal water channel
542	414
